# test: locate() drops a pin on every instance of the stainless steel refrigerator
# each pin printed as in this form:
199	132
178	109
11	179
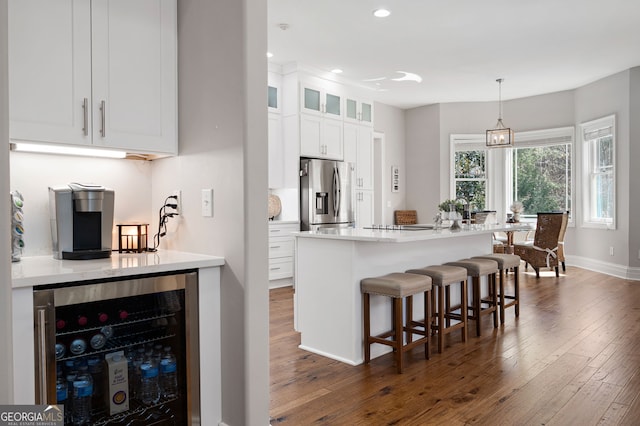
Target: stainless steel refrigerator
325	194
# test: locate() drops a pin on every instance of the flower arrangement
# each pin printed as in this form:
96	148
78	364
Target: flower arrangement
445	206
516	208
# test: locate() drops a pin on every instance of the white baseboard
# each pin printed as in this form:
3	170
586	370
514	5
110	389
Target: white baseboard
284	282
614	269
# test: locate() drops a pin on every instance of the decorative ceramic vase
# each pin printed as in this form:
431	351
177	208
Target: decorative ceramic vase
516	217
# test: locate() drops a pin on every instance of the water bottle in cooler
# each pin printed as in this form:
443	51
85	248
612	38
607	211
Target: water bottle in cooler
96	368
169	374
149	386
137	362
82	394
62	395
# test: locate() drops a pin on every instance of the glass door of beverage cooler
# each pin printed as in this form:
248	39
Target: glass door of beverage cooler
120	352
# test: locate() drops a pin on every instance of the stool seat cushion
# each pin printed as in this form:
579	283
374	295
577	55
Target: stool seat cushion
396	284
477	267
442	275
505	261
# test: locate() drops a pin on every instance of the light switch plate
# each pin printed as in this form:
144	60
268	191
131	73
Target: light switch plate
207	202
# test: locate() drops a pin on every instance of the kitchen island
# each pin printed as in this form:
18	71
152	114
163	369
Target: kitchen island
330	263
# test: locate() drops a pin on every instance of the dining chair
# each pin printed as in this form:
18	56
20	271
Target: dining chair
544	250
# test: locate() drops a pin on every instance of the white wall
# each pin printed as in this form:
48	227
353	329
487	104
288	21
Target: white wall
423	161
634	171
32	174
6	362
390	121
223	145
604	97
617	94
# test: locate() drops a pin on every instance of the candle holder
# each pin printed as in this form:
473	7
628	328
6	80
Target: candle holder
132	238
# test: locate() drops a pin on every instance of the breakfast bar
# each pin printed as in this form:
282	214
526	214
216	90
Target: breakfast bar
331	262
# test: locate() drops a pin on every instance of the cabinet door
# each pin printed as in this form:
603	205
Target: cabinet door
276	152
364	208
331	139
310	136
134	74
350	145
350	110
318	101
50	71
364	163
311	100
366	112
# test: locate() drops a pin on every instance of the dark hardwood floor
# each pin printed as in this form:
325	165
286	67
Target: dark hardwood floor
572	358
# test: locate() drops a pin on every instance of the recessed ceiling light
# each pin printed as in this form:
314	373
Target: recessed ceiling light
381	13
336	71
269	55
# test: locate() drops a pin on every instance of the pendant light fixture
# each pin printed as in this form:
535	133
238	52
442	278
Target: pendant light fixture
500	135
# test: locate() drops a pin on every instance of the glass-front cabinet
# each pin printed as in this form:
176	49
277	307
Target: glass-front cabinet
358	111
322	102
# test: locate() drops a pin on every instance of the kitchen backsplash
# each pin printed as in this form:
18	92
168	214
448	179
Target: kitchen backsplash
289	201
32	174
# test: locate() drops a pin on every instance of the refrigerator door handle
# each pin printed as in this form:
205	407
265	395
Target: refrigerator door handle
336	192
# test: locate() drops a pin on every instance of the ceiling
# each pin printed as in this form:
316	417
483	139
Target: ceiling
458	47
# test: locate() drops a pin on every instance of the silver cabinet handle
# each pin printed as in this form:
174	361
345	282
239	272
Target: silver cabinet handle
275	247
85	115
274	230
42	350
274	269
103	130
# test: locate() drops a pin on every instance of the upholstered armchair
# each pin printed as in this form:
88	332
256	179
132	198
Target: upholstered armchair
545	249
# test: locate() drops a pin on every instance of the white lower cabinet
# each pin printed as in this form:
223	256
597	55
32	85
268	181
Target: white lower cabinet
281	249
364	208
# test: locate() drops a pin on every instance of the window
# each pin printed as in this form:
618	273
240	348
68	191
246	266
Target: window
598	149
537	171
541	171
470	172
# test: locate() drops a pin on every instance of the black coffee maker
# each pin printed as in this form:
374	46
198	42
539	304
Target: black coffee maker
81	221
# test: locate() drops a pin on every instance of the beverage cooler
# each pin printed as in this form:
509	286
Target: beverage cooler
120	352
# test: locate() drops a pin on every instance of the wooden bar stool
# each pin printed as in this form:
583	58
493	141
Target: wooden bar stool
442	276
397	286
506	262
477	268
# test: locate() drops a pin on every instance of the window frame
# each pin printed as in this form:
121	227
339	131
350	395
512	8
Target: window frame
539	139
599	125
471	142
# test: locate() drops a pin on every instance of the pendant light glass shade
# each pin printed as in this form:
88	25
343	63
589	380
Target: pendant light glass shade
500	135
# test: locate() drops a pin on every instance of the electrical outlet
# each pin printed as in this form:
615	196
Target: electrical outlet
611	251
207	202
178	201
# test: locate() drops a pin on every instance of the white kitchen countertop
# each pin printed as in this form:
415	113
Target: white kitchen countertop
40	270
401	236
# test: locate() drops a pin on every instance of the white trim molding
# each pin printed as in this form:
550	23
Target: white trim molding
613	269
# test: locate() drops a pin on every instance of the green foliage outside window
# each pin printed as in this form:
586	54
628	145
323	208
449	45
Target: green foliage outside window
542	178
470	178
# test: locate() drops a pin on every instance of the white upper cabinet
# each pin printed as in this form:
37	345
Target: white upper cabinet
358	111
50	71
319	101
320	138
99	72
320	123
358	149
